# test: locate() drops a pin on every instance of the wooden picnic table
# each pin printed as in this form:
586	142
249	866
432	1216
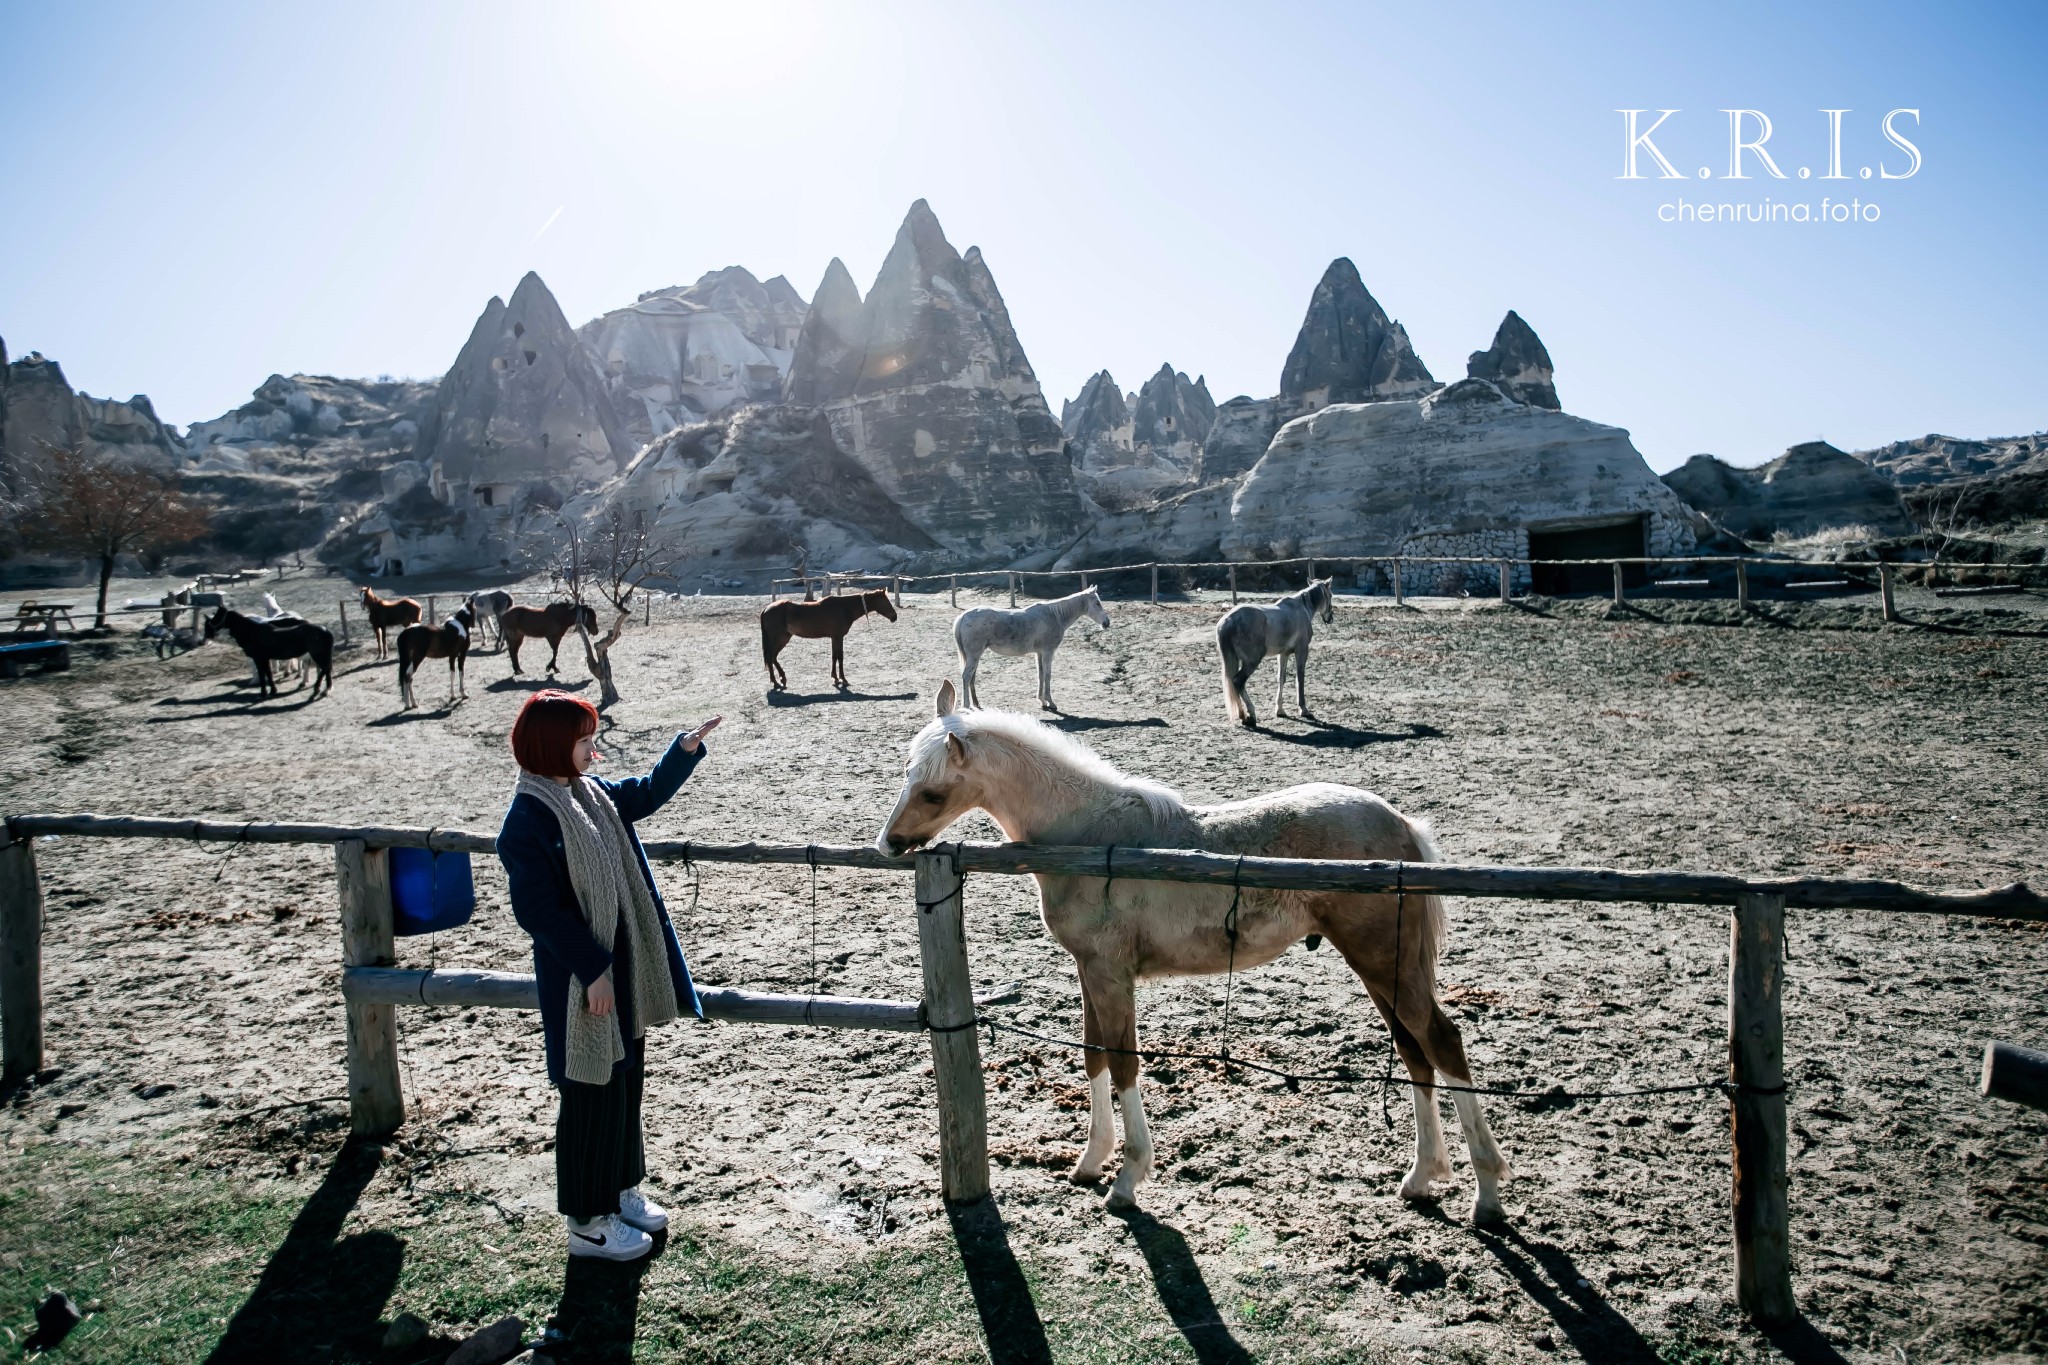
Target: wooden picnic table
40	618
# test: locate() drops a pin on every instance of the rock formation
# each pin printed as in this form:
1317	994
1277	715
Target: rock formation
1462	471
1128	453
1517	364
523	401
1937	459
42	411
1811	487
943	408
677	355
750	492
1347	351
829	350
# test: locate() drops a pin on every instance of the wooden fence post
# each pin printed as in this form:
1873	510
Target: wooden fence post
376	1105
1742	584
949	1013
953	590
343	604
1013	587
896	589
433	607
1756	1064
1155	585
1504	582
1399	599
1618	596
1233	585
1884	591
21	960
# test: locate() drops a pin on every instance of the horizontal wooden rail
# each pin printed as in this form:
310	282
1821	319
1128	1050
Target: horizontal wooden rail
2014	901
466	987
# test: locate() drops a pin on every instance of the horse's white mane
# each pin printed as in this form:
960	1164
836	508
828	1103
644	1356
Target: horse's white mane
1054	753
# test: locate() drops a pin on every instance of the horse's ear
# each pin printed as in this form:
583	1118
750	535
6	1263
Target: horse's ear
957	749
944	706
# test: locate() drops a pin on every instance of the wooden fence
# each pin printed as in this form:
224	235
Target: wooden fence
373	988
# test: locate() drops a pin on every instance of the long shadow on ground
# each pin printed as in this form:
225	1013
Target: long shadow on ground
1183	1291
600	1309
1009	1319
1326	735
814	698
1550	1278
1075	724
250	707
523	684
321	1295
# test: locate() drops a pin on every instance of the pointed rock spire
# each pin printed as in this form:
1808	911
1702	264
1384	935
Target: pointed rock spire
1348	350
1517	364
829	350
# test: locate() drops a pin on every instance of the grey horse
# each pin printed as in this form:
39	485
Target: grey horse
1036	629
1247	634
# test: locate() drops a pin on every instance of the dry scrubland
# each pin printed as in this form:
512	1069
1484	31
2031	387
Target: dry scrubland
802	1164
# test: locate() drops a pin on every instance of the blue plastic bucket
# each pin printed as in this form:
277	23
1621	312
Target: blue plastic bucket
429	891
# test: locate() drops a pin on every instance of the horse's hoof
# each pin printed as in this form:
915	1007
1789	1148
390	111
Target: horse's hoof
1119	1202
1082	1175
1488	1213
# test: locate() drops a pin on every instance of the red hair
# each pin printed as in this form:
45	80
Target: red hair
544	737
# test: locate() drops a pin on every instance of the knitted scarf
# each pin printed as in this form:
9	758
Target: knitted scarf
607	881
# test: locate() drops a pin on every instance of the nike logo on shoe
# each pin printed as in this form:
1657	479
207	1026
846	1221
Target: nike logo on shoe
597	1241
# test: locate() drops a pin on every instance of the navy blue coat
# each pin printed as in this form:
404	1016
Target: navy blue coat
544	902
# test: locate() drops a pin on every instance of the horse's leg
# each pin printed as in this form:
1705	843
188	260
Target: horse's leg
970	664
839	663
1045	702
512	643
1280	697
1445	1047
1101	1122
1301	679
1250	717
1116	1009
554	651
1432	1162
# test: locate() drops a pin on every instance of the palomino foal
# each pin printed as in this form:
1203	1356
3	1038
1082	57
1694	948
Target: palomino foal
1043	787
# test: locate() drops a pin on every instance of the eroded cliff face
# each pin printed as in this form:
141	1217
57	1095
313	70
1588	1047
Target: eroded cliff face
1128	453
1934	459
1811	487
943	407
679	355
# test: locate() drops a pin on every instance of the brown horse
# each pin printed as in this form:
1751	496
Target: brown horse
386	612
449	640
827	618
548	623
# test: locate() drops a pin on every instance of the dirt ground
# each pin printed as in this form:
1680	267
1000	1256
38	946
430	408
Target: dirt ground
1526	735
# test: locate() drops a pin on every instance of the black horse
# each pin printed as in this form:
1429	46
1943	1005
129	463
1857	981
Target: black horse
268	641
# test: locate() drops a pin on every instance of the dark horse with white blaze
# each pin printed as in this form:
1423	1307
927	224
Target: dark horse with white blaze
1043	787
549	623
828	618
449	640
269	642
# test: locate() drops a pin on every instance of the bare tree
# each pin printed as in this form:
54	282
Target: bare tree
605	566
103	507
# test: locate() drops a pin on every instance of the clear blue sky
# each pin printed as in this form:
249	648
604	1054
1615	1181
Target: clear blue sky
195	196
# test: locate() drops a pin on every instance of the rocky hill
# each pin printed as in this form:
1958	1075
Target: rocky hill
1126	453
1938	459
1517	364
1811	487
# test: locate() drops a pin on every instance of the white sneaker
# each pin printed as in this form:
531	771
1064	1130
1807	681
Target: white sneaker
608	1237
640	1211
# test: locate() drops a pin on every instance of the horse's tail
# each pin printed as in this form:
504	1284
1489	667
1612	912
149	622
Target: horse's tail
1430	919
1233	699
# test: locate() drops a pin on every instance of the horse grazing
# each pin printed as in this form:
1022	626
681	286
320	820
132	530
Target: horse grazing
1247	634
549	623
491	606
1036	629
827	618
1043	787
267	642
386	612
449	640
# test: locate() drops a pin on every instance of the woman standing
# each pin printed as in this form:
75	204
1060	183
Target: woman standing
604	954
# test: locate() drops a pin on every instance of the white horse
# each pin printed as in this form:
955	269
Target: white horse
1036	629
1247	634
1043	787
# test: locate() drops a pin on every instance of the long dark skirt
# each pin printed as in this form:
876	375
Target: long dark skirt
598	1149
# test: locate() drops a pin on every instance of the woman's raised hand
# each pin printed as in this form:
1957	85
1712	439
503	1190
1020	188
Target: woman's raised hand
695	737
